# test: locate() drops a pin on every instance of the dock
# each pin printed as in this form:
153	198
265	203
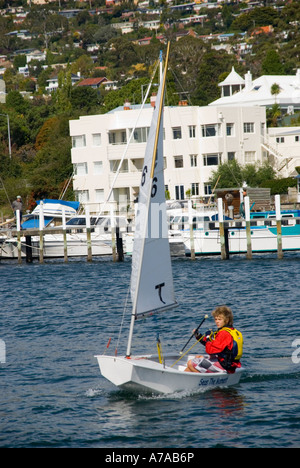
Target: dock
29	244
24	238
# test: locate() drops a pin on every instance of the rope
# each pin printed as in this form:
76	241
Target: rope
198	341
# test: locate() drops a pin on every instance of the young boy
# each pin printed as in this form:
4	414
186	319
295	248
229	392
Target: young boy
223	349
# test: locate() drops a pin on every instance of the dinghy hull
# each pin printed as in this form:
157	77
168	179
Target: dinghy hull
146	374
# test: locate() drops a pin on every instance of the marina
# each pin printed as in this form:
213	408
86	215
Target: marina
191	233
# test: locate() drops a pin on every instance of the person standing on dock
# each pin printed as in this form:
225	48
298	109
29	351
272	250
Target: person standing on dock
18	205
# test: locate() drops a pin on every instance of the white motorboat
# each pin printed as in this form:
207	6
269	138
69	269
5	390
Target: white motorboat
76	239
52	213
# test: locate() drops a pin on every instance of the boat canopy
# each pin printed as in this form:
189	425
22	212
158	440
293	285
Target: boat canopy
55	207
32	222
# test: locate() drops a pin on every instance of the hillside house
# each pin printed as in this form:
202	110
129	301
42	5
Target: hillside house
94	83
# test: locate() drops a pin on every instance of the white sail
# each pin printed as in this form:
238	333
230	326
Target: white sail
151	280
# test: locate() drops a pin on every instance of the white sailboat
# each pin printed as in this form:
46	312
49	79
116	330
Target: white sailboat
152	288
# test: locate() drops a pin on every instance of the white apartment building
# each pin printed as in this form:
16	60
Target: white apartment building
196	141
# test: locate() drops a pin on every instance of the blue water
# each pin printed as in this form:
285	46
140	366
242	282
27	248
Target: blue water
55	317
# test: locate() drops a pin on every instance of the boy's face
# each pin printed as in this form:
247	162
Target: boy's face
220	321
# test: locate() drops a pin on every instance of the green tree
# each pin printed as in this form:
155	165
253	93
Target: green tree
232	174
272	65
273	114
16	102
212	65
86	98
19	61
62	95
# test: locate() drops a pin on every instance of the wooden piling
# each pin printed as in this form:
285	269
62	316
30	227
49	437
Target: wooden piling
191	230
224	251
28	249
279	228
41	228
119	245
113	234
88	234
65	235
18	216
248	228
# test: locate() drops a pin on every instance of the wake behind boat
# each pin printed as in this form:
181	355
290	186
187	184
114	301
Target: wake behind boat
152	289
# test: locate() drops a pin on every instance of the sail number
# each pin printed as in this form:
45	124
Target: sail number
145	170
154	184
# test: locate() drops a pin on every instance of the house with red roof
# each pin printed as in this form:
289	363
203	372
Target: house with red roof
94	83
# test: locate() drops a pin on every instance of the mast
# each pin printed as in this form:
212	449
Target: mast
134	307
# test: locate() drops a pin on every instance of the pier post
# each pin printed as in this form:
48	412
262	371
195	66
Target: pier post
18	216
119	245
113	233
248	228
279	228
41	227
65	235
224	250
88	233
192	241
28	249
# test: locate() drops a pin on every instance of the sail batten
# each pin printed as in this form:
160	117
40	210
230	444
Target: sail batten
156	311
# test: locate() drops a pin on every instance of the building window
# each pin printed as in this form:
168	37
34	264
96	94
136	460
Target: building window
226	90
96	139
81	169
280	140
98	167
248	127
230	129
176	133
137	165
140	135
297	138
193	158
210	130
82	196
178	161
231	156
249	157
192	131
179	192
114	165
78	141
195	188
99	196
211	159
207	188
112	138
